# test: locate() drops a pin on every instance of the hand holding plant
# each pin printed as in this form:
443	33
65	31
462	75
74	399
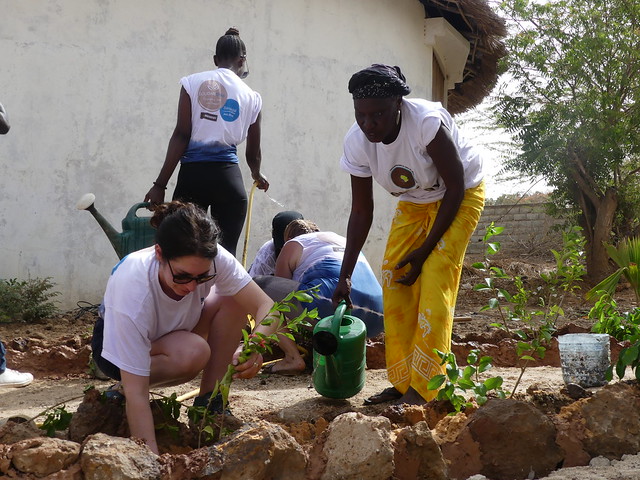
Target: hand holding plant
261	343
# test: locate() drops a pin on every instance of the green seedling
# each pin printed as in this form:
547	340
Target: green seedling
459	383
533	327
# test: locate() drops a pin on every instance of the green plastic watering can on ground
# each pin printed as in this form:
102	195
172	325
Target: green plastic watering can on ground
137	232
339	354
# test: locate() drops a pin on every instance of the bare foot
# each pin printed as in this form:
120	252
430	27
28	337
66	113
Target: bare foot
411	397
284	367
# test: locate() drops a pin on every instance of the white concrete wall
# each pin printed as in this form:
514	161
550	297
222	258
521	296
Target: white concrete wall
91	89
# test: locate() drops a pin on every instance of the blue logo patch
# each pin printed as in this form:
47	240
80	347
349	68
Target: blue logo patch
230	111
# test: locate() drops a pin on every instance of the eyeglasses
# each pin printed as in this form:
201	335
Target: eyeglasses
183	278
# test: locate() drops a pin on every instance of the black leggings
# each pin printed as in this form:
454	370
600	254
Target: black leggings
217	185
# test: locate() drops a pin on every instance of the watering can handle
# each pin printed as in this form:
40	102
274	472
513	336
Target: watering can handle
133	210
337	318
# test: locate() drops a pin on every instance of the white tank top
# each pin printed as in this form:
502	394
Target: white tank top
317	246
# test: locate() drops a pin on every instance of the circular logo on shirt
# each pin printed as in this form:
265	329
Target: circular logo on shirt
402	177
230	111
212	95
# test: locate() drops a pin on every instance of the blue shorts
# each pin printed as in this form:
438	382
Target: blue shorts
366	292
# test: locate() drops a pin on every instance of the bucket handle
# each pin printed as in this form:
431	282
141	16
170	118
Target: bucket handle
134	209
337	318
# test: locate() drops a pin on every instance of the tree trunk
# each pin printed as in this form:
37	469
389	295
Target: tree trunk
598	262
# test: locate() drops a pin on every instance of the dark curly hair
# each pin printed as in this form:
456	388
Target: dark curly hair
185	229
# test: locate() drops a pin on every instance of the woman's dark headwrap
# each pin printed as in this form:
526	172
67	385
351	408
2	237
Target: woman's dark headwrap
279	225
378	81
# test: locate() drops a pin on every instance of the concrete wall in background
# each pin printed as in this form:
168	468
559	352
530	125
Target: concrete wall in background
528	230
91	88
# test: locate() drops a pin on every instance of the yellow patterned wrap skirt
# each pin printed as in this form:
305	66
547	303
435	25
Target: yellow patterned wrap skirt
419	318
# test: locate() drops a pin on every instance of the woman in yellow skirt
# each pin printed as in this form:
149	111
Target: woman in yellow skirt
413	149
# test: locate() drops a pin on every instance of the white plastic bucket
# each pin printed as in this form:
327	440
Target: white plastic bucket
584	358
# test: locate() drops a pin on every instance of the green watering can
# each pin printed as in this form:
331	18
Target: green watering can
137	232
339	354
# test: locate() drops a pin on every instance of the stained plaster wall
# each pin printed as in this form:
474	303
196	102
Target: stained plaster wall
91	89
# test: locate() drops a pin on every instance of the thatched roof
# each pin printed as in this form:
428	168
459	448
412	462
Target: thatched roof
484	29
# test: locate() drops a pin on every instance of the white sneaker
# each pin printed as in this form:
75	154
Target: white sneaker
14	378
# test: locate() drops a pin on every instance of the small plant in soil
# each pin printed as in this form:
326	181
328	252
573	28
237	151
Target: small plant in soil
532	327
260	343
27	300
58	418
459	382
169	408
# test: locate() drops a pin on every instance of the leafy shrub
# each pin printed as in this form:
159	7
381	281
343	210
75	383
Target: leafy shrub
620	325
27	300
627	256
533	327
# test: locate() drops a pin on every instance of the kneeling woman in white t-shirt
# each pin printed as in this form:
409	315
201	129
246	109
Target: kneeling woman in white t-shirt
173	310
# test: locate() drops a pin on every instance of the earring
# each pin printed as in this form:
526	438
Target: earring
398	117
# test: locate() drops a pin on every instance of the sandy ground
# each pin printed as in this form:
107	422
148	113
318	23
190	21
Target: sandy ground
291	399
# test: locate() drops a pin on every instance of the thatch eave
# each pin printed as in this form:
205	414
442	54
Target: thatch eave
484	29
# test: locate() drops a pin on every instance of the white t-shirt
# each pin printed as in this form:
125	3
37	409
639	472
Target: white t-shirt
317	246
222	109
403	167
138	312
265	261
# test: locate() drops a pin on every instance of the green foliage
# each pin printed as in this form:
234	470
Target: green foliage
260	343
169	408
57	418
456	385
620	325
627	257
571	102
26	300
533	327
629	357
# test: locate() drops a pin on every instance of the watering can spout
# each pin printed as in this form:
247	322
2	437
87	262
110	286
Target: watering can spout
115	237
137	232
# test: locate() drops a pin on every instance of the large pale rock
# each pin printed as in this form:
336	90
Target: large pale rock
114	458
43	455
261	450
358	447
606	424
417	455
74	472
504	440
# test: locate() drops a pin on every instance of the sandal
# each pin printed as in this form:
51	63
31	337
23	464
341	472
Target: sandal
115	393
287	372
386	395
